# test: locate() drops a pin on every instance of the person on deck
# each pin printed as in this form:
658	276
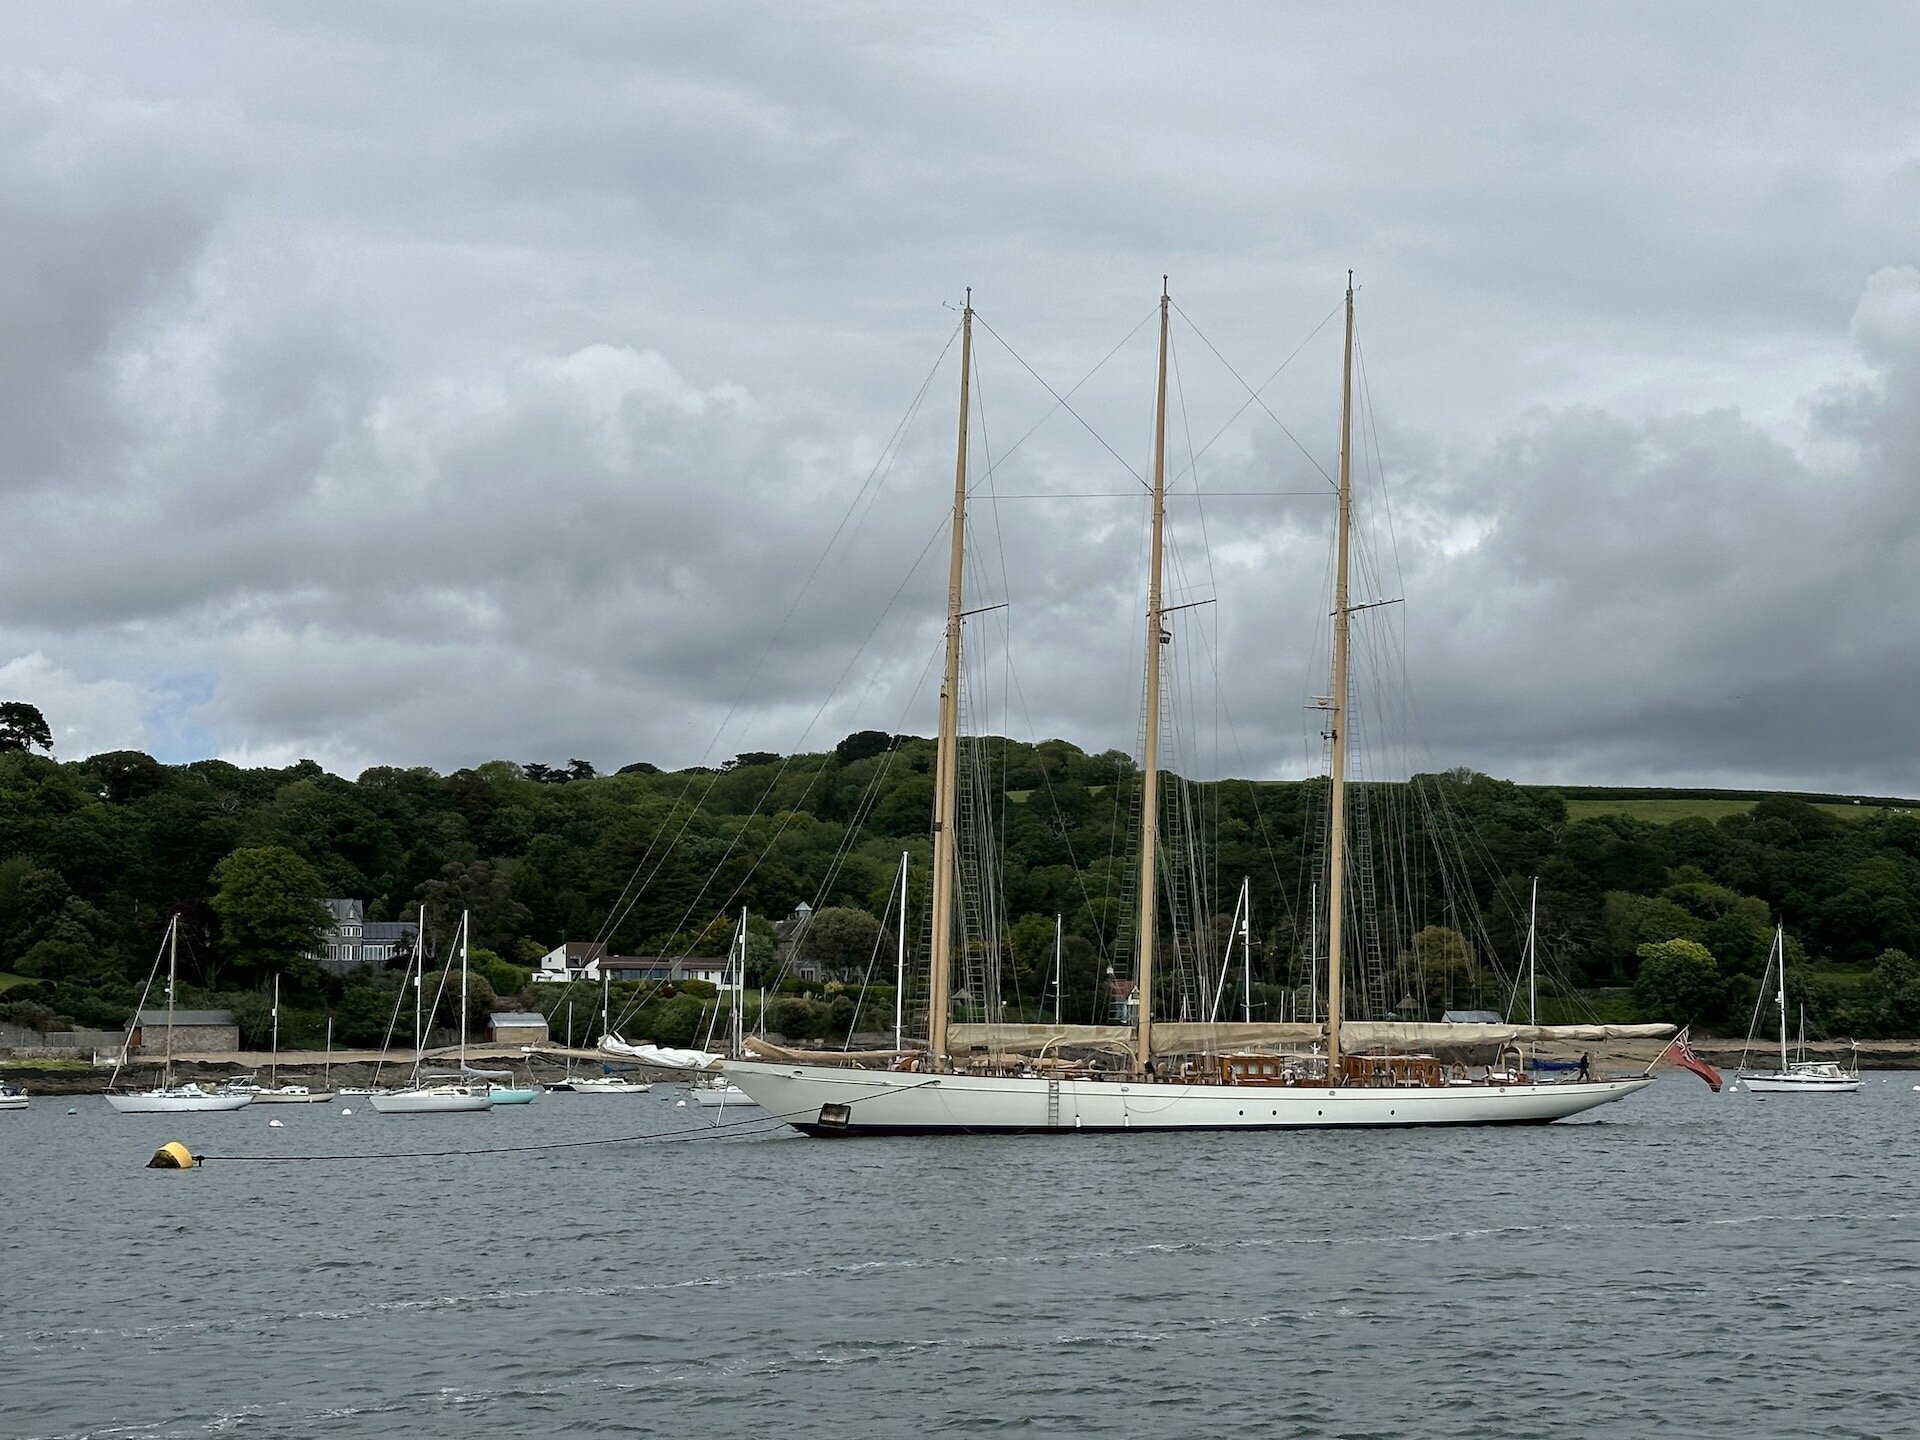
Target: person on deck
1586	1066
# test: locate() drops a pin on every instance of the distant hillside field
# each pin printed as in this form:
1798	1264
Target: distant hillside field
1663	807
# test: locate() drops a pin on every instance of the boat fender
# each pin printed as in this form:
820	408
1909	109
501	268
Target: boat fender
172	1156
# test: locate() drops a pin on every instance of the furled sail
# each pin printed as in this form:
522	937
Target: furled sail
1242	1037
659	1055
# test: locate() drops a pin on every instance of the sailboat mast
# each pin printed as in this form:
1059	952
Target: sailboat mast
1150	758
946	762
173	975
1059	972
1342	620
1246	950
1780	995
900	963
419	984
463	994
1533	965
273	1065
740	989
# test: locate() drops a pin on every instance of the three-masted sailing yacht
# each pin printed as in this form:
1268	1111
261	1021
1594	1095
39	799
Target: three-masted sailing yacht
1183	1076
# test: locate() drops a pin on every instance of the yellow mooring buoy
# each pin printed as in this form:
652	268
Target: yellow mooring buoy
172	1156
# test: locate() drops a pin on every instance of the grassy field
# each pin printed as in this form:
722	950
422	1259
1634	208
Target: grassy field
1665	810
7	982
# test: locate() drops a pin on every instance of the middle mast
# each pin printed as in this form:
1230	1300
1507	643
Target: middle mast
1150	756
946	754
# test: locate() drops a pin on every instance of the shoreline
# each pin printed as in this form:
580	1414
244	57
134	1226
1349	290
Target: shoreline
548	1063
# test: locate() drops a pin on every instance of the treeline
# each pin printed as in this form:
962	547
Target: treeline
97	854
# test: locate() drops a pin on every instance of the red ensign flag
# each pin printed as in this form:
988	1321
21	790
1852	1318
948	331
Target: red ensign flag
1683	1055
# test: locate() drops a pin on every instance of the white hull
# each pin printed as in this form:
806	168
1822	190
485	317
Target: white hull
600	1087
453	1101
175	1102
13	1102
293	1097
885	1102
1791	1084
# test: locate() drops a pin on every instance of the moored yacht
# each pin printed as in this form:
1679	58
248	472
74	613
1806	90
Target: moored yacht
1176	1078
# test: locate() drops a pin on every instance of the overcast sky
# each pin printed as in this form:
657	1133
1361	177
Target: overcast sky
434	382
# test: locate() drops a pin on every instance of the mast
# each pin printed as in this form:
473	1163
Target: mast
1246	951
1313	955
1780	995
419	984
173	973
900	963
740	989
273	1065
1059	973
1533	965
1342	619
1150	759
326	1066
463	994
946	765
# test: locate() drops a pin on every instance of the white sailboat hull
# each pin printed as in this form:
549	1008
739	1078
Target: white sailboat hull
293	1096
453	1101
830	1100
712	1096
1791	1084
174	1102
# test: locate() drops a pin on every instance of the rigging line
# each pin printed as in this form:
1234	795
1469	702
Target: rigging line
1192	494
1077	386
746	823
1061	400
883	463
1253	395
862	811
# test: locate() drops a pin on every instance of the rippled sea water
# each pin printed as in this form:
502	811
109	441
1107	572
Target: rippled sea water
1682	1264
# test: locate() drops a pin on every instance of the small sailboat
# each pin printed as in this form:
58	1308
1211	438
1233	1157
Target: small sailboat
600	1085
1794	1076
167	1098
274	1092
717	1091
434	1092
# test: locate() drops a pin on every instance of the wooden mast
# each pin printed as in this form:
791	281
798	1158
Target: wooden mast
1342	618
1150	758
946	764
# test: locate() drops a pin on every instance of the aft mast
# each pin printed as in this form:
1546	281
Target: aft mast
1342	620
1150	759
946	763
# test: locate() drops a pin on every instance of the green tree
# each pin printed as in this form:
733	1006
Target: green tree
23	728
1895	989
1679	980
268	902
840	937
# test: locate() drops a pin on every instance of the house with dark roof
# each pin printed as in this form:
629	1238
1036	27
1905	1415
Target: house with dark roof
353	940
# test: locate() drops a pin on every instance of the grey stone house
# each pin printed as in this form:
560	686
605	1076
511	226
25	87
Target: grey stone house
195	1032
353	940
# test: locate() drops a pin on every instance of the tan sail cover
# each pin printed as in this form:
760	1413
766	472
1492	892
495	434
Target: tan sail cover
1240	1037
766	1050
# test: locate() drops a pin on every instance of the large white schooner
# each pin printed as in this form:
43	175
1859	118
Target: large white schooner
1184	1076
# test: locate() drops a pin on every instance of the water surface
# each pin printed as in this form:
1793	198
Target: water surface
1681	1264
